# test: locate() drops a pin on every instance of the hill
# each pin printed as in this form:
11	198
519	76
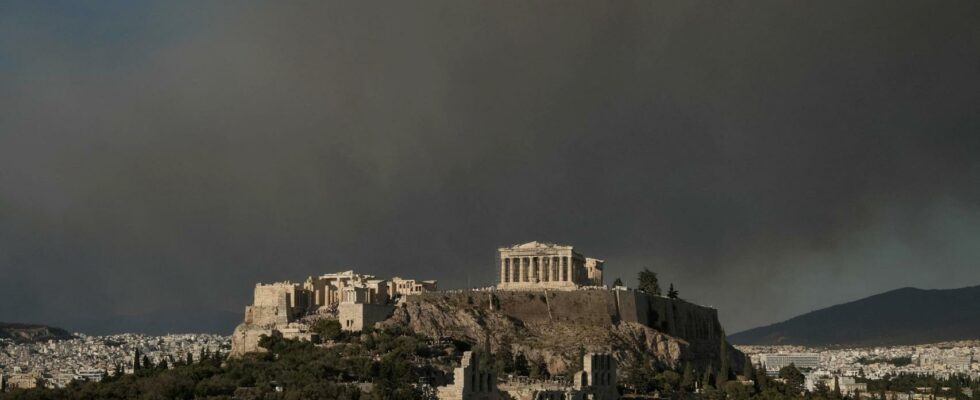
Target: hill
555	327
897	317
31	332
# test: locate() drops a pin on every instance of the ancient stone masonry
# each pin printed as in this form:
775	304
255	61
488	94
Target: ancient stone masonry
549	304
471	383
356	300
329	290
277	304
404	287
536	265
598	376
596	381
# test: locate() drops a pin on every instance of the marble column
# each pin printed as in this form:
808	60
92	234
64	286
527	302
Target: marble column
565	273
536	268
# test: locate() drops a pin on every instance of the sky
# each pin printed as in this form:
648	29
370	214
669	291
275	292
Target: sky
768	158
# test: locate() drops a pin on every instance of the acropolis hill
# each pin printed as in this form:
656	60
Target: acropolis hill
550	303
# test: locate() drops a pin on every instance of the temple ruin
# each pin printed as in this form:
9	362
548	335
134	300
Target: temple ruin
536	265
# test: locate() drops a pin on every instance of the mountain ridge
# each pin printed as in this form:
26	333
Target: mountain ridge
901	316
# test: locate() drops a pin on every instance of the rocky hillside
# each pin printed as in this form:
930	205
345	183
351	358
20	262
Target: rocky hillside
31	332
557	326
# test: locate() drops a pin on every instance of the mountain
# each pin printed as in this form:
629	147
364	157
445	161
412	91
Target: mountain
902	316
31	332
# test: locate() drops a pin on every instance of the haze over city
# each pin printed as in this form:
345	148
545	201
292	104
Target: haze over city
768	159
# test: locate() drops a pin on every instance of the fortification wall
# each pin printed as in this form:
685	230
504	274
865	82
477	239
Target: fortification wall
674	317
592	307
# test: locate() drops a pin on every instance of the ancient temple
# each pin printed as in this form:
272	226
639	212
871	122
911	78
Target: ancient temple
536	265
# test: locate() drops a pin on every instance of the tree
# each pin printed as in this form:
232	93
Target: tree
821	390
639	376
672	293
136	360
146	363
708	380
503	361
761	379
955	386
648	282
190	358
747	371
668	380
521	365
737	391
328	329
617	282
537	369
794	379
724	369
837	394
687	379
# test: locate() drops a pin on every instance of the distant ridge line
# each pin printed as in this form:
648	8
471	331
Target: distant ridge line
902	316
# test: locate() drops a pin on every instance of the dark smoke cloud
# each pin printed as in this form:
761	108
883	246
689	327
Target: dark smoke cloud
768	158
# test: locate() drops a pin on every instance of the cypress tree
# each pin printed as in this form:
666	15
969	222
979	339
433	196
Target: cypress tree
136	360
761	379
723	370
708	379
749	373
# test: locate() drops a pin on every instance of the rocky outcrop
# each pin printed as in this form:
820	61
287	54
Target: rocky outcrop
556	327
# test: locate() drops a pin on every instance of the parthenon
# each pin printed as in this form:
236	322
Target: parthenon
535	265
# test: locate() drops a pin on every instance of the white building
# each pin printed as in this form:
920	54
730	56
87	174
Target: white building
802	361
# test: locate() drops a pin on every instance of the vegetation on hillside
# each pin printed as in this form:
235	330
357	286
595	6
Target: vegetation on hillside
291	369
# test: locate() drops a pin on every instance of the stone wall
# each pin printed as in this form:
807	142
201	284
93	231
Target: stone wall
671	316
245	339
355	317
674	317
470	382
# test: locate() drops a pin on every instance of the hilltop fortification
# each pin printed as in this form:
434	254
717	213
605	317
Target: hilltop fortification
550	305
